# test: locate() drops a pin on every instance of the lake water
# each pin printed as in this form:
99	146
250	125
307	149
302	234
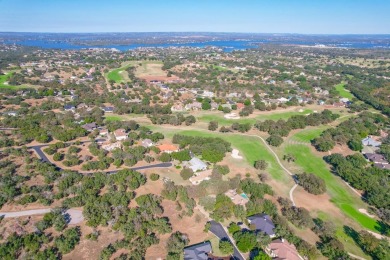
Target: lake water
226	46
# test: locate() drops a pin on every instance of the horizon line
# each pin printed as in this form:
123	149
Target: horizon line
269	33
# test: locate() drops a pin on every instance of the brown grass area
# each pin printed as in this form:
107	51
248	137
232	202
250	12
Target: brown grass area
186	225
88	249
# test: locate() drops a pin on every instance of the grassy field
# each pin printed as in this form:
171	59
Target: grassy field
115	75
118	75
343	92
113	118
307	135
340	193
150	68
271	116
3	79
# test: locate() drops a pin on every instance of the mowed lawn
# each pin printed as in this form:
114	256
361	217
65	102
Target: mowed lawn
341	195
343	92
115	75
113	118
4	78
307	135
262	117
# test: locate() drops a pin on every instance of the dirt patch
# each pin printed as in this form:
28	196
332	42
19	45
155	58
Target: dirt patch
88	249
191	226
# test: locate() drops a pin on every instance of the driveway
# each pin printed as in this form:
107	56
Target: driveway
75	215
218	230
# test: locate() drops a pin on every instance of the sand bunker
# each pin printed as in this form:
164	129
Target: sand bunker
232	116
235	154
364	211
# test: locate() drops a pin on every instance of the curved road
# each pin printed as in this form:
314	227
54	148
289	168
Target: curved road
43	157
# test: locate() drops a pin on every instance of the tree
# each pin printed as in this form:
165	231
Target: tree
245	241
262	256
312	183
274	140
165	157
213	125
261	165
154	176
189	120
58	157
226	247
176	243
186	173
355	145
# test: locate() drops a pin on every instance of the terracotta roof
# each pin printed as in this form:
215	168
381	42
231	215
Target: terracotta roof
168	147
281	249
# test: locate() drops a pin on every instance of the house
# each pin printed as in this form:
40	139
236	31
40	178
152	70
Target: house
69	107
240	105
376	158
11	113
382	166
214	105
177	108
108	109
195	164
200	176
198	252
194	106
168	148
368	141
238	199
147	143
344	100
262	223
108	146
89	127
103	132
120	134
280	249
282	100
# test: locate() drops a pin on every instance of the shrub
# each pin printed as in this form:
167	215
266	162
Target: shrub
186	173
154	176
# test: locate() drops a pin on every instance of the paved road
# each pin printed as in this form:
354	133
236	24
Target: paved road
218	230
43	157
75	215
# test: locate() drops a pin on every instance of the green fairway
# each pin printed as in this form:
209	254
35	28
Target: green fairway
4	78
307	135
113	118
115	75
343	92
340	193
267	116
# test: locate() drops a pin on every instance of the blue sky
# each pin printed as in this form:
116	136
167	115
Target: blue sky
263	16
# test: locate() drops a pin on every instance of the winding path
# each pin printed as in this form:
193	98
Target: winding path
280	164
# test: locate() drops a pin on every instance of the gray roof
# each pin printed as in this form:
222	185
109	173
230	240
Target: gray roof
371	142
262	223
197	164
198	251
